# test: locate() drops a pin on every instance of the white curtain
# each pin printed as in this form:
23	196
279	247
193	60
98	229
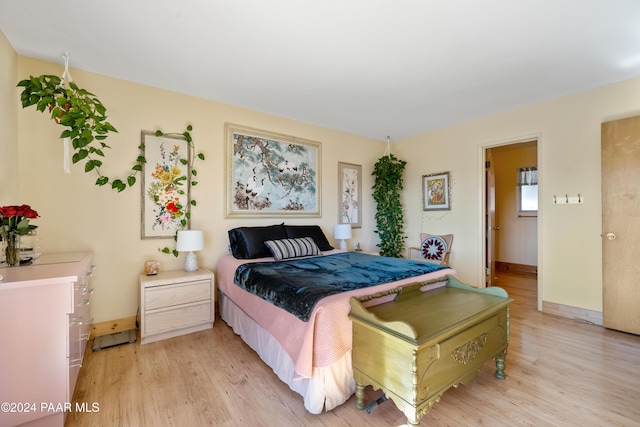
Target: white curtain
528	176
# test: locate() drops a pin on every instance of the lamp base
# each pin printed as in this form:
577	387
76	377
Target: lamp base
343	245
191	262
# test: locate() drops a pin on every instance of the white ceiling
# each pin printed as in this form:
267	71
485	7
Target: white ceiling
368	67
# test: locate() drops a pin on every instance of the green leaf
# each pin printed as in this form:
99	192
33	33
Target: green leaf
159	133
193	203
131	180
201	156
137	168
118	185
102	181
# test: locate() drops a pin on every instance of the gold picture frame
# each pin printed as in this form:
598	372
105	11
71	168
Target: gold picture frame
271	174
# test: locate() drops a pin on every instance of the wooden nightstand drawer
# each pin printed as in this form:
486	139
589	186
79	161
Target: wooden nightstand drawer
183	293
162	320
174	303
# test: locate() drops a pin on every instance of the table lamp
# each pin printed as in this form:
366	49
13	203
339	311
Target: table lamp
189	241
342	232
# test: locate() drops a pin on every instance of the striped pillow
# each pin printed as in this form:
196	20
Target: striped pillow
292	248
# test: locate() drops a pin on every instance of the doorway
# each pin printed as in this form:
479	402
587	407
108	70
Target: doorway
510	225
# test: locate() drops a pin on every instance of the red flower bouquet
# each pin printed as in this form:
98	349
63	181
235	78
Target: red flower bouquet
15	220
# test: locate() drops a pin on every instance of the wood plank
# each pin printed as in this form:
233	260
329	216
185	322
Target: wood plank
559	372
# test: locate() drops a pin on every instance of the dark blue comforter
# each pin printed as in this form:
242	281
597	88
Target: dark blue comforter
297	285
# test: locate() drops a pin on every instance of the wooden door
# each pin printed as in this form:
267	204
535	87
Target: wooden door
621	224
490	220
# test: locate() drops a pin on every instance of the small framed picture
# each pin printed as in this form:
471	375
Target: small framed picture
350	193
436	192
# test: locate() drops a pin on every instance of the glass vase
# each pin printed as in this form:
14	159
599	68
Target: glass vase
12	250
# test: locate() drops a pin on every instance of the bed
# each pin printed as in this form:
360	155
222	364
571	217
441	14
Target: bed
312	356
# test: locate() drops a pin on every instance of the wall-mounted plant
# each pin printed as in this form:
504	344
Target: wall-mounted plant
389	216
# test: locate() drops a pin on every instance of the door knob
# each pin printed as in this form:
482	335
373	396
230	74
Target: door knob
610	236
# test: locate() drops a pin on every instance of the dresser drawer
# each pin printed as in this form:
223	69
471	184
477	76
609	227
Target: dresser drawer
182	293
157	321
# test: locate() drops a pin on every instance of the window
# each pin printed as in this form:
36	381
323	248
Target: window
528	189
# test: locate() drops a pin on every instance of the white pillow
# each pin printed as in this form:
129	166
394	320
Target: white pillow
292	248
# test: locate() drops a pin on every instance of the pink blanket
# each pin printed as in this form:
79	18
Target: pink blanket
325	337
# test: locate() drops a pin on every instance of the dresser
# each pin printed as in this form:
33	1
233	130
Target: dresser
174	303
45	318
417	346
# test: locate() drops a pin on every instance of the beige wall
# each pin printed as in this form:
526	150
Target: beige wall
517	239
75	214
8	124
568	133
78	215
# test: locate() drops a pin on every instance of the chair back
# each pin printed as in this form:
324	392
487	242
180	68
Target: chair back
434	248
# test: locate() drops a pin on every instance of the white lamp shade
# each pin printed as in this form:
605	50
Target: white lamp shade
190	240
342	231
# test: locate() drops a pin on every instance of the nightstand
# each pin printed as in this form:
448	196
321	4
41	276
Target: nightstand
175	303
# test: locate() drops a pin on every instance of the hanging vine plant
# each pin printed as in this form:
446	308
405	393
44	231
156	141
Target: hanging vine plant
389	216
84	118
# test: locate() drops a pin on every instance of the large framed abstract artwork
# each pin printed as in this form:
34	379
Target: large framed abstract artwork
165	185
436	192
270	174
350	193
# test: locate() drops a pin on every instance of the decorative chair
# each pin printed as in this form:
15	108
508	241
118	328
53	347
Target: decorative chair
434	248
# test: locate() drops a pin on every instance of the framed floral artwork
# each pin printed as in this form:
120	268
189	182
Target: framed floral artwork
436	192
350	191
165	185
271	175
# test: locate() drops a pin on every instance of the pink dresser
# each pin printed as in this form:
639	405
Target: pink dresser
44	329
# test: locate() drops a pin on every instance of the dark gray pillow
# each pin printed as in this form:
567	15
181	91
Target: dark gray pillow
248	242
313	231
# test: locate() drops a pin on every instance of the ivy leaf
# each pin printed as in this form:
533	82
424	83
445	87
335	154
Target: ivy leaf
102	181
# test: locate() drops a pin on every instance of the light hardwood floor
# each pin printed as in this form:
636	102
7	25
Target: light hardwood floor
560	372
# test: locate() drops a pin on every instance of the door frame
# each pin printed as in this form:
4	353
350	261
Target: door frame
482	148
